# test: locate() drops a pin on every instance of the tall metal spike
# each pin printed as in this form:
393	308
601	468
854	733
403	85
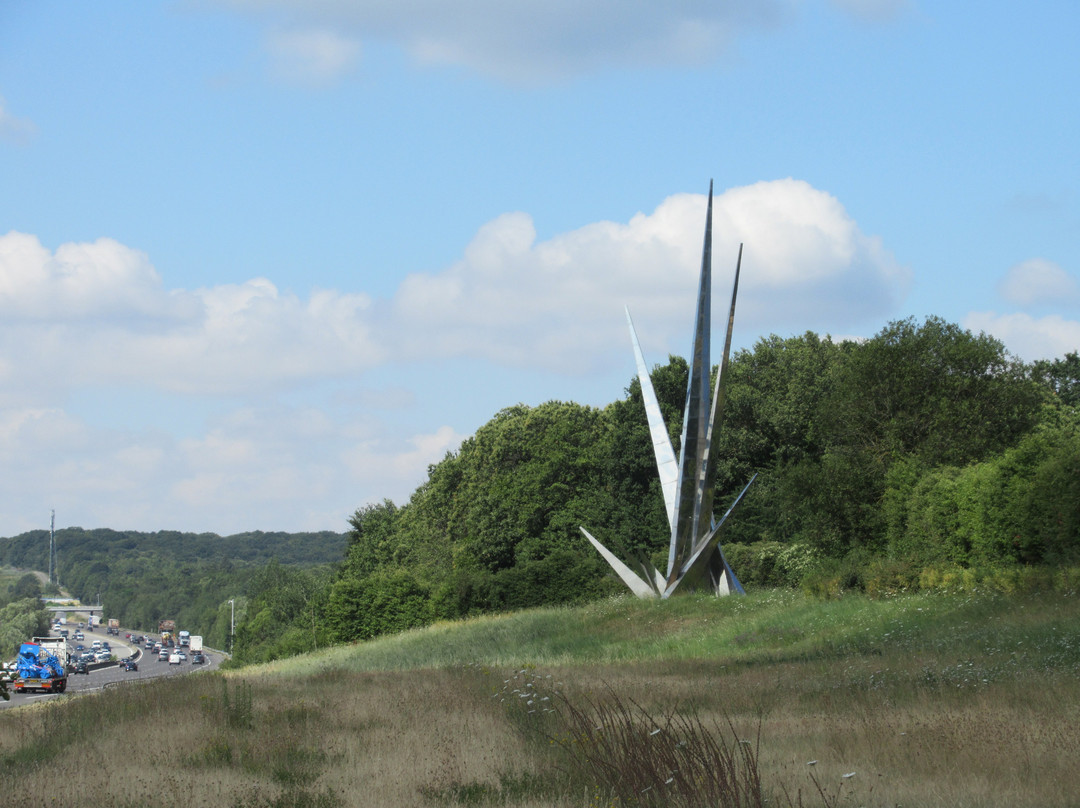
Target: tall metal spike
719	397
694	442
695	557
666	464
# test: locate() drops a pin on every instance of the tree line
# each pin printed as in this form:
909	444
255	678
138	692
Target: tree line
141	578
923	450
21	613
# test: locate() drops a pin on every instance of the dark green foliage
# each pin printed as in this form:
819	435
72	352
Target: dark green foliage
1019	507
768	564
1062	376
870	456
386	601
283	613
371	540
495	526
142	578
935	391
930	394
923	448
528	479
19	621
26	587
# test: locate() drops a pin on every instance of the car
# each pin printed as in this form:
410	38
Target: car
197	658
174	658
81	666
163	655
102	656
129	665
95	644
106	646
79	635
64	632
181	653
80	647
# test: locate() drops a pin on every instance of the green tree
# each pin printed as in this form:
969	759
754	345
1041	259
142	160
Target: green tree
372	539
934	391
933	394
19	621
28	586
772	426
386	601
1062	376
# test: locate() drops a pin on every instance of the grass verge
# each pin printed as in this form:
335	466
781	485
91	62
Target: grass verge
967	700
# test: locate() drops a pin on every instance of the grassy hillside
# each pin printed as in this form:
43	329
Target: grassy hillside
958	700
770	627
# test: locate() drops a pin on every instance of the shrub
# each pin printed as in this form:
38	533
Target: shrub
771	563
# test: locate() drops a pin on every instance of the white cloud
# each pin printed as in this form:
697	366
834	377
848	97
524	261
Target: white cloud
84	280
98	313
13	129
1038	281
535	40
1028	337
316	57
90	328
557	303
371	460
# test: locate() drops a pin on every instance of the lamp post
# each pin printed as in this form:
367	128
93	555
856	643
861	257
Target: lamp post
232	623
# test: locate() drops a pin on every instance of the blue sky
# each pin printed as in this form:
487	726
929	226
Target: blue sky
263	261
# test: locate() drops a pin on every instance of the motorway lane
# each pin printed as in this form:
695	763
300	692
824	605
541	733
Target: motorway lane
113	675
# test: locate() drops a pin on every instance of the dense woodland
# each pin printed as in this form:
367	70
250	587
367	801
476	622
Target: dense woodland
925	456
21	612
141	578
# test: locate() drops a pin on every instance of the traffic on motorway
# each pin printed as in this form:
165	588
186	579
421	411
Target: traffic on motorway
95	657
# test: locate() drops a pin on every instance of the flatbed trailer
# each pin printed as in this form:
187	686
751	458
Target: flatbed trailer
57	685
53	650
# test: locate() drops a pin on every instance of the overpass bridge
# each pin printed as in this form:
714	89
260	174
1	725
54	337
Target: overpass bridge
63	606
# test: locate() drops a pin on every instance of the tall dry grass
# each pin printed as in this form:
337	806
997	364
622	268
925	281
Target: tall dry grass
972	706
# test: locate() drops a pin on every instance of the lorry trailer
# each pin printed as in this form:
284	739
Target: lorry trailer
40	666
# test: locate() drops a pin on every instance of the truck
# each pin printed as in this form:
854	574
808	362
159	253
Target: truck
114	627
167	629
183	638
41	666
196	642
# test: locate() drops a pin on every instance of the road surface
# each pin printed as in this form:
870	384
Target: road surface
112	674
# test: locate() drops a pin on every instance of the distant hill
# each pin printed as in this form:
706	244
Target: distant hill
190	577
74	544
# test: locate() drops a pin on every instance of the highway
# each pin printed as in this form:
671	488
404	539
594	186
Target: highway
112	675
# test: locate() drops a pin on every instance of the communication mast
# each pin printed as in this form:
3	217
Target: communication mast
52	548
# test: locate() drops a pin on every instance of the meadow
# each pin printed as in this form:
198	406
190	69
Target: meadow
772	699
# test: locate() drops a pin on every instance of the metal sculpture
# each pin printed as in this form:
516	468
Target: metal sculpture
695	558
